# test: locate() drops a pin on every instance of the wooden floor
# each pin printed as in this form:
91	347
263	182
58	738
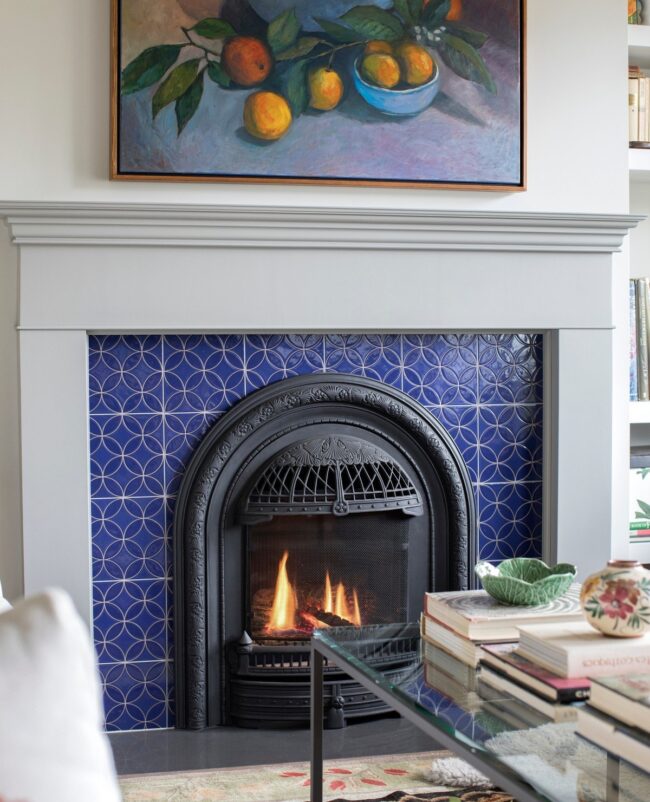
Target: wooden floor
178	750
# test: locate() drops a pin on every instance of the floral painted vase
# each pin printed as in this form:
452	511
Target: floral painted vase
616	600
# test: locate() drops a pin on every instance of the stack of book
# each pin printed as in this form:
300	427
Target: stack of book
459	629
639	494
617	714
639	339
461	622
638	107
618	717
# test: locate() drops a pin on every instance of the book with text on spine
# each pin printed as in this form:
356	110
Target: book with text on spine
576	649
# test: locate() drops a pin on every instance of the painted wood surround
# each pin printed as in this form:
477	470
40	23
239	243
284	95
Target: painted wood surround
136	268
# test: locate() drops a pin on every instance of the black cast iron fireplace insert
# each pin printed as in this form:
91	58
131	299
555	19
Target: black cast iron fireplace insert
324	500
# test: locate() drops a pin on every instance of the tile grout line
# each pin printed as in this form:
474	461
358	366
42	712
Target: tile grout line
166	521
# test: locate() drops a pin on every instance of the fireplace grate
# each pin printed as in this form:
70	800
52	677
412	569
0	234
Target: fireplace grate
269	685
338	475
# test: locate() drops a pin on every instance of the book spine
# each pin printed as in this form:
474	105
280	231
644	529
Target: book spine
643	109
642	338
634	389
633	108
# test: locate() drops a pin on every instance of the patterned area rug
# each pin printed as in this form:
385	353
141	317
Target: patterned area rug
394	778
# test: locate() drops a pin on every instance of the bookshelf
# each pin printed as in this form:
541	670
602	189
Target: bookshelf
638	51
638	41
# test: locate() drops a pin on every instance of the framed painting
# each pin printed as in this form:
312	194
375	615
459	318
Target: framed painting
417	93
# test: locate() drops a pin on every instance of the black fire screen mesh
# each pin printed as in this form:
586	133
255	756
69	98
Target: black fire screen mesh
320	570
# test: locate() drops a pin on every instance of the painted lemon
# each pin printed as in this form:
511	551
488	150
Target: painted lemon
416	63
266	115
378	46
325	89
381	69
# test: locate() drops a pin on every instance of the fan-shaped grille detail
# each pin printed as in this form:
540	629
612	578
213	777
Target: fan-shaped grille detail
336	475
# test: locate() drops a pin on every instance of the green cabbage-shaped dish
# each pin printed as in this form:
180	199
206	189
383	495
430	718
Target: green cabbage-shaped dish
525	581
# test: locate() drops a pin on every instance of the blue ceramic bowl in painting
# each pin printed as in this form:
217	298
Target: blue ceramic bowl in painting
307	10
397	102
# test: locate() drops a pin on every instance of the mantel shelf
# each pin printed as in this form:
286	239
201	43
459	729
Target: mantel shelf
313	228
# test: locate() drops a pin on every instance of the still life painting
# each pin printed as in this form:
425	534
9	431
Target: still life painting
393	92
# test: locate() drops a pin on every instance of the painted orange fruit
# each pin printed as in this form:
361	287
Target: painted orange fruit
266	115
246	60
325	89
381	69
416	63
378	46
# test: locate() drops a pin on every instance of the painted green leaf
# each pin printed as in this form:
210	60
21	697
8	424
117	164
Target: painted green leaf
217	74
296	87
371	22
337	32
283	31
212	28
403	8
466	61
302	47
416	7
188	103
475	38
175	84
644	506
434	14
148	67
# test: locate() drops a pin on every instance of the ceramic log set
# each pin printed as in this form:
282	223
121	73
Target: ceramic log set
616	600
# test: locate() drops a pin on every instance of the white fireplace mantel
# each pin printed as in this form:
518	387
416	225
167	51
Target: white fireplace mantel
134	268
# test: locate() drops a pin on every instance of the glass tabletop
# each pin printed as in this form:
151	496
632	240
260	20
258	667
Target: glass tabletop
443	695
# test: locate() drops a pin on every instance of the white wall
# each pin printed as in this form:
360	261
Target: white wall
54	82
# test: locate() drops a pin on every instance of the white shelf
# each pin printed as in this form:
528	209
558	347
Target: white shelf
639	164
638	45
639	411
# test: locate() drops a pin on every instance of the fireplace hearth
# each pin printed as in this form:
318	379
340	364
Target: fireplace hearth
318	501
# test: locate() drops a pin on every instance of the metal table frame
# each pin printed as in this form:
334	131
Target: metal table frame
501	777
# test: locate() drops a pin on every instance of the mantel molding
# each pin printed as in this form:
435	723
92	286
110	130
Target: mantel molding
35	223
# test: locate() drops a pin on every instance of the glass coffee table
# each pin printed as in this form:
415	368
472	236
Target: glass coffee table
518	749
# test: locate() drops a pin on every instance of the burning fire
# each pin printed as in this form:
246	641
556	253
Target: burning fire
285	613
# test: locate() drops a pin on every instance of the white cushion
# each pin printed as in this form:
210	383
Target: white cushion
52	746
4	604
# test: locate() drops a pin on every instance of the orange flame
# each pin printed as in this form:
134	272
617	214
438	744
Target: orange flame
283	612
327	597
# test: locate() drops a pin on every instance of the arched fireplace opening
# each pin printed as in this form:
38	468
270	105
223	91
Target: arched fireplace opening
325	500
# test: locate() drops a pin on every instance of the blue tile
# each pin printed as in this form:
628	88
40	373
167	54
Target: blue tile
510	369
130	621
510	521
272	357
152	400
126	453
135	695
462	424
510	446
441	369
203	373
129	538
183	433
125	374
375	356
